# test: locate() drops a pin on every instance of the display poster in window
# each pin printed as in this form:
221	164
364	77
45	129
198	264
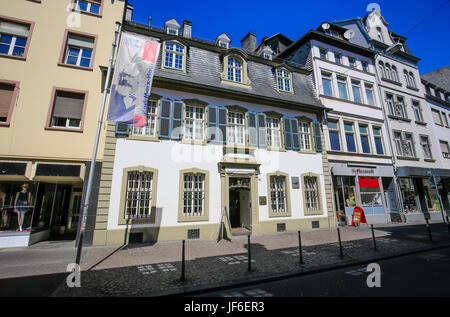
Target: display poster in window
132	80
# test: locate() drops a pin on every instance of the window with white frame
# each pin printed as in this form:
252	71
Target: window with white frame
234	70
444	148
356	88
194	123
67	111
417	111
404	144
342	87
273	132
444	119
305	135
327	84
284	80
150	128
378	140
311	189
369	94
426	147
364	137
236	128
323	53
13	38
79	50
334	134
437	117
174	56
350	136
412	80
138	197
352	62
92	6
365	66
193	195
278	194
394	73
338	58
399	108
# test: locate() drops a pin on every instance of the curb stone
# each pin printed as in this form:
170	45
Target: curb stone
190	291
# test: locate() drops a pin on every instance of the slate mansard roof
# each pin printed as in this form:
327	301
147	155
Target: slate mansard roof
204	65
439	78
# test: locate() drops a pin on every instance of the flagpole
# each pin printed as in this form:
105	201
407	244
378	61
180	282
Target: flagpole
94	151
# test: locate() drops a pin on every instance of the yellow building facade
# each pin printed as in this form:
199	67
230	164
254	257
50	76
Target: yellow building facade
50	97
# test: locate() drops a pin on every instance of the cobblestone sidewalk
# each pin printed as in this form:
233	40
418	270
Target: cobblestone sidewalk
154	270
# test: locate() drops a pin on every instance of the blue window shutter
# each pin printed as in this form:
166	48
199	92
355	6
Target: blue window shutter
262	130
222	121
177	120
252	129
295	134
287	133
317	136
212	123
165	118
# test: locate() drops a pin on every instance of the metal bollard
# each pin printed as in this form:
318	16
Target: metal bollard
249	255
341	253
373	238
183	264
300	247
429	230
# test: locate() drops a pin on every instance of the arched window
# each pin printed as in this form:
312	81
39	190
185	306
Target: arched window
234	69
381	68
405	74
412	80
394	73
388	71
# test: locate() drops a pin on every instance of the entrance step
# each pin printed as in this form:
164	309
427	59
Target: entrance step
240	231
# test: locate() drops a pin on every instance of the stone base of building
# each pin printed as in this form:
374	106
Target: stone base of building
204	231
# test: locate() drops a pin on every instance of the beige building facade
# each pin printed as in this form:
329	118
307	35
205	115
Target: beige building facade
50	97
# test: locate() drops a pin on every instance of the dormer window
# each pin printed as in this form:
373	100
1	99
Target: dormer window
267	56
172	31
223	44
174	56
172	27
234	70
284	80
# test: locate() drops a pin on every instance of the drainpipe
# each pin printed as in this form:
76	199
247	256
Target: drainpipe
386	122
329	170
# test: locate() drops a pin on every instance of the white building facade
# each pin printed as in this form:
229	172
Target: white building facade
229	134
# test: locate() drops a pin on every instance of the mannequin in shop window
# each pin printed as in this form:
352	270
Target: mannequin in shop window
22	203
3	211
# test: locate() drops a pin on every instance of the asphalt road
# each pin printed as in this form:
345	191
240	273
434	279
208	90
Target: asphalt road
423	274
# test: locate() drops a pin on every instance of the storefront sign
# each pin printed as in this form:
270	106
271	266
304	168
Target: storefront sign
362	171
358	217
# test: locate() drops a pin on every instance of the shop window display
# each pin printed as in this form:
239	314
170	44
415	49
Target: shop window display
370	192
17	206
431	196
408	195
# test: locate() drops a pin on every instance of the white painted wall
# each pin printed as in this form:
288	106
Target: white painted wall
169	157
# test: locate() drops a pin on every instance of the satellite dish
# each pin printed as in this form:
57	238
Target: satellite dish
349	34
325	26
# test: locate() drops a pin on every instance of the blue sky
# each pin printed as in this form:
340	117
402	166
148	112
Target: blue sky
422	22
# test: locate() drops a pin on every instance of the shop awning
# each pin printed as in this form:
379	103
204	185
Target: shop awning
368	183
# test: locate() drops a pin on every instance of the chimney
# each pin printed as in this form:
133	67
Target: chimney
149	20
248	43
129	12
187	29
